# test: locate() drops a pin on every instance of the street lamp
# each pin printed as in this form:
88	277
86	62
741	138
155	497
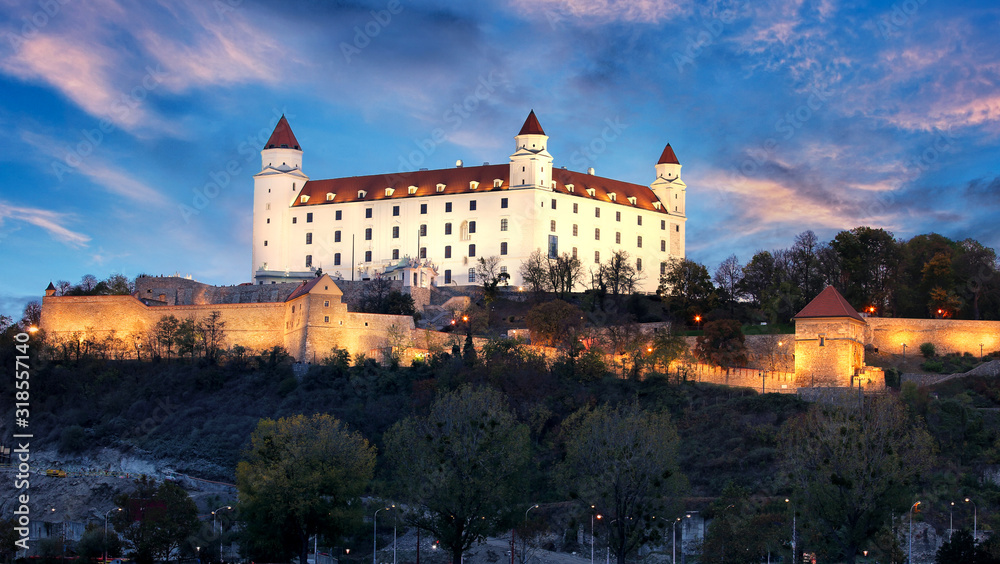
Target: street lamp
975	519
214	521
673	538
375	532
909	559
951	520
592	516
792	506
106	531
904	351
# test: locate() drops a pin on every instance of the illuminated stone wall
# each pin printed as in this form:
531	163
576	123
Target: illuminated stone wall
948	335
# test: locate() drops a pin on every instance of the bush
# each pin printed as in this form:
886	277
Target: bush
933	366
73	439
892	378
928	350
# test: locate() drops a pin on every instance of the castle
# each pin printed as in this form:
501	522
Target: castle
430	227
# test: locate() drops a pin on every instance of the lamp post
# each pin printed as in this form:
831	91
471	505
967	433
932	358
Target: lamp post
525	524
951	520
792	506
106	531
375	534
909	558
592	516
904	351
214	521
975	519
673	539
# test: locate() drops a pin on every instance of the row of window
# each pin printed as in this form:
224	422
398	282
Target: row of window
472	253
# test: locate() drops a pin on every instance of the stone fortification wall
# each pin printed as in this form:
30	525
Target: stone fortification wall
769	352
772	382
948	335
174	290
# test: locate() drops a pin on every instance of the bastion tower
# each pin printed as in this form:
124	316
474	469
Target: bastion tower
275	189
671	191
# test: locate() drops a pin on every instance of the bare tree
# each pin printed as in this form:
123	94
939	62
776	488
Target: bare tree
728	277
212	330
489	272
88	282
534	272
564	272
618	275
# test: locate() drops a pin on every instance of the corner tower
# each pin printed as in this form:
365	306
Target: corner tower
668	186
275	188
531	163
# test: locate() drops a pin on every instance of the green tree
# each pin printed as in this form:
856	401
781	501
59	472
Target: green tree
165	334
723	343
688	287
8	536
300	476
462	466
728	278
488	272
186	338
853	465
961	549
623	461
743	532
554	323
92	543
869	260
155	520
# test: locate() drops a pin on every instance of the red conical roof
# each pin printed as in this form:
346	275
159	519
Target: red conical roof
668	156
531	126
282	137
829	303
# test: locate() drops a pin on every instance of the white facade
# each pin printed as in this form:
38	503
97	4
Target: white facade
356	227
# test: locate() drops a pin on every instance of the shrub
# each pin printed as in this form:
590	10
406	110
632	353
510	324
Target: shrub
73	439
892	378
928	350
933	366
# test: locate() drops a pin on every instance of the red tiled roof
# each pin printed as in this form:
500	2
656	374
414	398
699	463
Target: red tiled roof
829	303
668	156
456	181
282	137
531	126
303	288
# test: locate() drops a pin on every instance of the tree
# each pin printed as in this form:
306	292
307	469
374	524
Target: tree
8	537
961	549
88	283
186	337
92	544
623	461
119	285
155	520
975	267
723	343
618	274
300	476
758	278
742	532
688	287
853	465
727	278
869	261
489	273
32	315
564	272
212	331
554	323
165	333
534	272
462	466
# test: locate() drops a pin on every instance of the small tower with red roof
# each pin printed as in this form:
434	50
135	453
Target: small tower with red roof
668	186
830	343
531	163
276	187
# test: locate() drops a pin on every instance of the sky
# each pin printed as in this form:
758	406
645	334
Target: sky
133	128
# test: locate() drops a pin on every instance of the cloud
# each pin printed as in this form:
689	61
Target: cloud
600	12
50	221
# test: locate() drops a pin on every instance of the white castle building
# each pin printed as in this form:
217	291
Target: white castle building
430	227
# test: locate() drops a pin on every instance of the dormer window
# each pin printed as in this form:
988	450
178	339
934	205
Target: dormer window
657	205
440	187
411	190
569	187
330	196
632	200
591	192
388	192
473	185
613	196
303	199
497	182
362	194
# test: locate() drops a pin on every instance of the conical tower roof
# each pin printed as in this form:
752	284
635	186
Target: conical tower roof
531	126
282	137
668	156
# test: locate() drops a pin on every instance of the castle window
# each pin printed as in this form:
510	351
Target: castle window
423	252
472	227
388	192
447	228
597	212
395	232
503	269
395	254
575	230
338	215
613	196
395	211
268	220
552	225
503	247
472	205
632	200
423	229
638	242
663	224
368	256
638	264
576	207
472	275
657	205
639	218
597	234
309	238
464	231
677	228
304	199
330	196
265	243
497	183
447	207
336	236
368	234
326	319
503	202
295	220
618	214
447	277
503	224
368	213
591	192
822	339
473	185
553	246
663	268
569	188
309	217
553	203
472	250
326	303
309	261
447	251
423	209
618	237
597	257
336	259
440	188
362	194
663	245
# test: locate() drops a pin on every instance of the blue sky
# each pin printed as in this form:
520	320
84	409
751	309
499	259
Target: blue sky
787	115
